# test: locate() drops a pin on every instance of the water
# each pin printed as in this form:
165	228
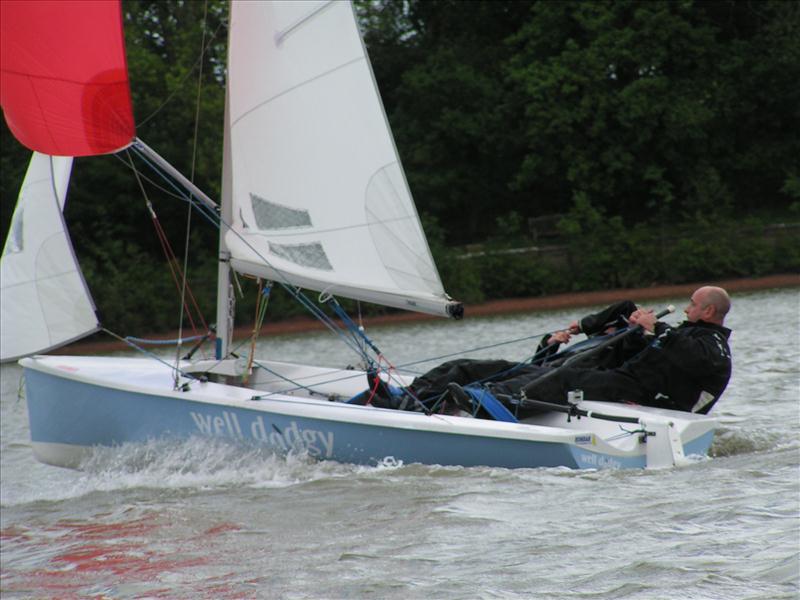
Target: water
204	520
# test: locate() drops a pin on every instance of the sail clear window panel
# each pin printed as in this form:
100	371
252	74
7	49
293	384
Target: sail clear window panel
306	255
271	215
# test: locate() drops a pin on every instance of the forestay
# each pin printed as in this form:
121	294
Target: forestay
320	199
45	302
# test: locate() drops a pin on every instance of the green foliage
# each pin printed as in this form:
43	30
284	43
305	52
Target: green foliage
601	253
596	245
656	107
461	279
791	188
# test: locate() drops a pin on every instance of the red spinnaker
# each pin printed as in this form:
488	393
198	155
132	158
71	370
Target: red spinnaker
63	76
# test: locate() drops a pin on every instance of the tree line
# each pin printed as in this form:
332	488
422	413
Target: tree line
624	119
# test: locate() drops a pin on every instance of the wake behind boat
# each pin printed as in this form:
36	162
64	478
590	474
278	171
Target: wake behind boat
314	197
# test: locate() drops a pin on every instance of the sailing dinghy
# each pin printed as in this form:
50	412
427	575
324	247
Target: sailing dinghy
314	197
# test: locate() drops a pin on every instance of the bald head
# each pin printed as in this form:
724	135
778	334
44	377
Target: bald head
709	304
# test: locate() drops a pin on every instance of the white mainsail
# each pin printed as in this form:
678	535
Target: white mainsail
44	302
319	197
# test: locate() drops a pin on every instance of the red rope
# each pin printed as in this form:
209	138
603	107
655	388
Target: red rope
177	277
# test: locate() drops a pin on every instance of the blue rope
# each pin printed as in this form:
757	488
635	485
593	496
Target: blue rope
130	338
354	329
328	322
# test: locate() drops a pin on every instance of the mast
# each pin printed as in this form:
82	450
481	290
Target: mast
225	297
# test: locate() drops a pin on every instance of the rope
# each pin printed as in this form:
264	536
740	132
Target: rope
185	77
326	320
390	370
355	331
163	342
169	254
191	178
476	349
133	345
217	221
261	310
298	386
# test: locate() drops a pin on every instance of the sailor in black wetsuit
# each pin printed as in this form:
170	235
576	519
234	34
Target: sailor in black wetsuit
684	368
513	376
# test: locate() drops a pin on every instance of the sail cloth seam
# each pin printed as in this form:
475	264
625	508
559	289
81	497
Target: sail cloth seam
30	76
246	113
394	236
47	278
399	241
37	288
409	273
55	346
29	80
262	233
409	298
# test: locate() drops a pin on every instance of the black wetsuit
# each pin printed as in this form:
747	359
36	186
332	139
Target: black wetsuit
684	368
509	377
596	326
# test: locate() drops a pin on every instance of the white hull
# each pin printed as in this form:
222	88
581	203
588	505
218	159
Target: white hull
76	403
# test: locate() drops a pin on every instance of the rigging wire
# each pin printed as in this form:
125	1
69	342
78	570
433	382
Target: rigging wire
191	178
352	342
357	341
216	220
169	254
178	87
261	310
299	386
130	341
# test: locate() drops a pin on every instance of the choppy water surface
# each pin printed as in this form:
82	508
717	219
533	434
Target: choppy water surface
204	520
